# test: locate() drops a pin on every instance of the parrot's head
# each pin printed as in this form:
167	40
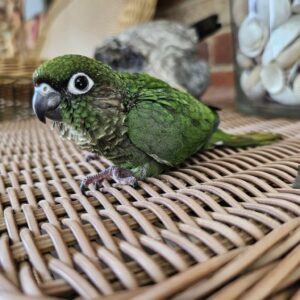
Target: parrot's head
66	83
121	55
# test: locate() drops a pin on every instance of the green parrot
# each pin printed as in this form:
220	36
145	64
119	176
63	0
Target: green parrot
140	123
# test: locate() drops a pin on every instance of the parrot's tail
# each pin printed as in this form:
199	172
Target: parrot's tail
206	27
221	138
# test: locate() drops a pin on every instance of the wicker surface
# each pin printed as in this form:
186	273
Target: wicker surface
136	12
225	224
15	84
17	68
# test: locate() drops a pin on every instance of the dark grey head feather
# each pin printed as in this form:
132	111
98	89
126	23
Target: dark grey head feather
120	56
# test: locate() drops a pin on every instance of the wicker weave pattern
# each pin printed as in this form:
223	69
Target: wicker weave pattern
186	225
136	12
15	68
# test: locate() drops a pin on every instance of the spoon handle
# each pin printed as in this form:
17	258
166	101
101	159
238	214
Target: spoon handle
252	7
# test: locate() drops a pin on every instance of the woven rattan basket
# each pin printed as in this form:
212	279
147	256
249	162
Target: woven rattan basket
223	225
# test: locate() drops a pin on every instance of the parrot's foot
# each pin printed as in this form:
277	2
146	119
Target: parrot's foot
120	176
297	180
88	156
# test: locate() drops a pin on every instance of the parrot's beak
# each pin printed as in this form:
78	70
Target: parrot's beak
45	103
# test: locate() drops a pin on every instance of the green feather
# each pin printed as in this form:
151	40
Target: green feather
221	138
170	125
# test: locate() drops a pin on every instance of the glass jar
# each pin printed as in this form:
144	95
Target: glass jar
267	56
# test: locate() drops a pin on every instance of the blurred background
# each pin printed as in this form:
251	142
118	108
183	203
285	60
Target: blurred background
41	29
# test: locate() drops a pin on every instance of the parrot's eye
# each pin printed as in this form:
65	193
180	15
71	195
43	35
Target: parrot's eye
80	83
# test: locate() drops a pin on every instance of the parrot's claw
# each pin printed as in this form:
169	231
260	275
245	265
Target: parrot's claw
83	187
297	180
99	186
123	176
120	176
88	156
134	183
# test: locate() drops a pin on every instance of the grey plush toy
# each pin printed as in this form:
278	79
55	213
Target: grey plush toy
163	49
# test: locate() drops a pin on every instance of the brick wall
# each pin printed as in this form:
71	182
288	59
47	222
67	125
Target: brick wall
217	49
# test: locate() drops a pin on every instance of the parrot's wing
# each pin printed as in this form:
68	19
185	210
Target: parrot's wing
170	125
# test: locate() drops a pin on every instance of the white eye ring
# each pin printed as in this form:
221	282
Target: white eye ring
77	86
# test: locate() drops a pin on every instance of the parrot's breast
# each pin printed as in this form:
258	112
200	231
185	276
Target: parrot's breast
80	138
98	130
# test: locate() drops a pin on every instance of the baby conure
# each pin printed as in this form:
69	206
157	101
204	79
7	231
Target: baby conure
140	123
164	49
